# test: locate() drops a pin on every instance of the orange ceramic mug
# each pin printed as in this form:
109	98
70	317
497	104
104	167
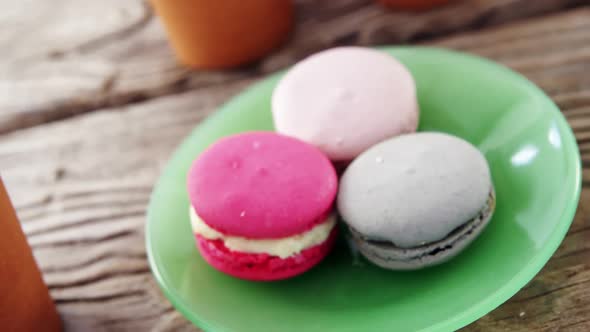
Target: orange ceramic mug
25	304
224	33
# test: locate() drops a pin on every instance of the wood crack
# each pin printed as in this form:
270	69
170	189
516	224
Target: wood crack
123	320
86	221
586	323
99	299
579	230
557	289
92	261
69	243
573	253
97	278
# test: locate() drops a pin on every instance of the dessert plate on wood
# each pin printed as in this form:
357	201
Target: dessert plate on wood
535	167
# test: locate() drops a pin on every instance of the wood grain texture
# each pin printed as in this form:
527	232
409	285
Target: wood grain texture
82	206
82	55
81	186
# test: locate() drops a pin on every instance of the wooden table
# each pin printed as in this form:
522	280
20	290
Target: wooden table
93	103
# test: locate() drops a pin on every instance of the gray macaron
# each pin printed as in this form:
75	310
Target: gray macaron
416	200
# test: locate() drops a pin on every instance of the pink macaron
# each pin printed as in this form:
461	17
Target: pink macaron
345	100
261	205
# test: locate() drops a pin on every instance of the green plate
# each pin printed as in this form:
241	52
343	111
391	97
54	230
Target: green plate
535	167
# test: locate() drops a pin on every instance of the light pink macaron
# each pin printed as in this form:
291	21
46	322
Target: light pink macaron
345	100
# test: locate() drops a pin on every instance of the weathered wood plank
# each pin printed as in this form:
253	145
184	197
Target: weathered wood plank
86	201
81	55
81	186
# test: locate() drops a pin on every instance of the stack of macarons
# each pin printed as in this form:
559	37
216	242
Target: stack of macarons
264	205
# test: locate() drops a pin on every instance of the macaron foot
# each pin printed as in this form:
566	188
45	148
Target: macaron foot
388	255
262	267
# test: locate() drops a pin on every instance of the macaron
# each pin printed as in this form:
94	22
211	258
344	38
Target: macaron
262	205
416	200
344	100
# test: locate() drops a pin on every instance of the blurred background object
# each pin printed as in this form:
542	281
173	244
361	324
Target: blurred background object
224	33
25	304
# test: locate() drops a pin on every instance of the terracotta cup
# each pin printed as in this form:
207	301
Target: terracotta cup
224	33
413	4
25	304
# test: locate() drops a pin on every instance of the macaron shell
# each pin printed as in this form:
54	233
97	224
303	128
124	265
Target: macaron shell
262	185
345	100
388	256
414	189
262	267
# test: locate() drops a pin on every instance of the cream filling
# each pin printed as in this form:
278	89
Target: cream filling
283	247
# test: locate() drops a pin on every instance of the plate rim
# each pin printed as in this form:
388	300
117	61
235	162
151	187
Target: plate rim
479	309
